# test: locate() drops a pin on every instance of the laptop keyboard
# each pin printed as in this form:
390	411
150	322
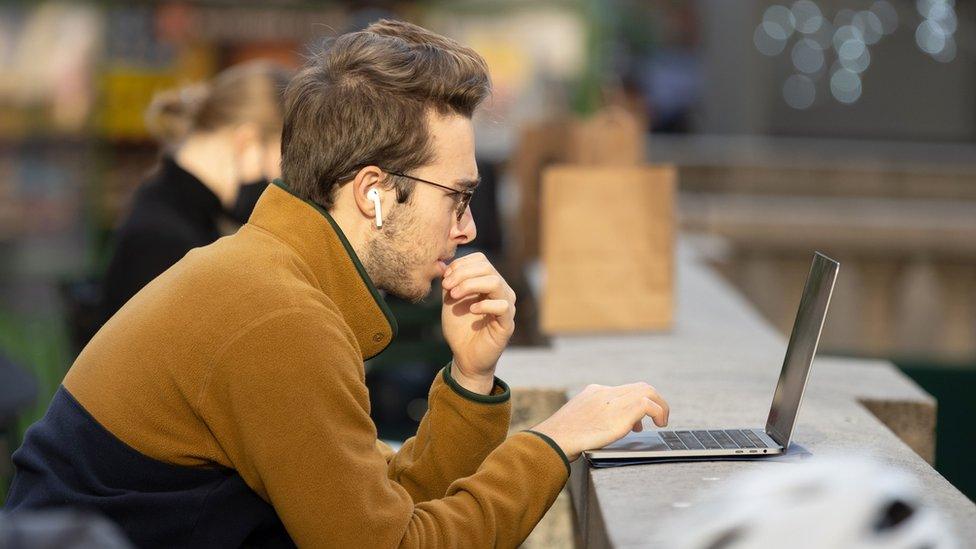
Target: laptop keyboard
711	440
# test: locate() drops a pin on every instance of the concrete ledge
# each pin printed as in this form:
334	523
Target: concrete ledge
718	368
891	396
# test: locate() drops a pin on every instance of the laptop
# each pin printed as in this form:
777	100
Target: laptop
775	437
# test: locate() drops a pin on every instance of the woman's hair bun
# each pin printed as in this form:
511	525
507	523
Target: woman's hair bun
172	113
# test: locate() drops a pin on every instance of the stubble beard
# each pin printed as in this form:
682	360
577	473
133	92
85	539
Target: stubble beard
389	256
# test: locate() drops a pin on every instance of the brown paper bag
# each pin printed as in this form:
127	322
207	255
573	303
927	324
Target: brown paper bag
607	248
611	137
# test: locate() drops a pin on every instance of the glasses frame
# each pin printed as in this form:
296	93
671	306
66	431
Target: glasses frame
465	194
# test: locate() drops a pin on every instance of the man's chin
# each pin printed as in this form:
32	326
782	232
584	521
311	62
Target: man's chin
413	294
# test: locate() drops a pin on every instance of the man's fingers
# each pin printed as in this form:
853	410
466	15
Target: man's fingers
656	412
497	307
662	404
649	392
458	274
491	285
464	260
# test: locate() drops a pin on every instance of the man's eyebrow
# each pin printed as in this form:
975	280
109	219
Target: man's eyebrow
469	184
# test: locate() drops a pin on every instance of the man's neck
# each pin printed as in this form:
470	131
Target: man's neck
356	232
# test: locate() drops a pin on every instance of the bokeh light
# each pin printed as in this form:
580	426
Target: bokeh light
886	14
843	40
766	43
807	56
854	56
870	26
799	91
930	37
935	34
807	15
778	22
823	36
948	53
845	85
845	34
933	9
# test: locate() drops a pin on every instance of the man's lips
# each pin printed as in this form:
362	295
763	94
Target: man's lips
443	262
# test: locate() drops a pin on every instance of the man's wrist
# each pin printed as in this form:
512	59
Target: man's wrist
570	451
555	446
483	384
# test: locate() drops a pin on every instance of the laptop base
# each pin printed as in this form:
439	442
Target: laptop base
691	443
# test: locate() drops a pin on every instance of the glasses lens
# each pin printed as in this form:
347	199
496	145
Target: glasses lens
463	204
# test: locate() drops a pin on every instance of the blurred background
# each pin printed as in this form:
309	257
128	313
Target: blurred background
847	126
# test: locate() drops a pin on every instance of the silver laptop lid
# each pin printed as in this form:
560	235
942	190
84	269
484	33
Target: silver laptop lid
802	348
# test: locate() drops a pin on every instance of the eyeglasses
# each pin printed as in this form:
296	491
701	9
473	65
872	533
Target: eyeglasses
463	197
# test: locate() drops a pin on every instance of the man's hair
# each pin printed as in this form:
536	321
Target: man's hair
364	101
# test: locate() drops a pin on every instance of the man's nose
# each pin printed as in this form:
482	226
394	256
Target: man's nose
465	230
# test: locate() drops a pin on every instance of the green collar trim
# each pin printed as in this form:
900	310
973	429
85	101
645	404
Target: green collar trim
352	255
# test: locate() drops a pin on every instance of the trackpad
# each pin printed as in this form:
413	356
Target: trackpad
639	442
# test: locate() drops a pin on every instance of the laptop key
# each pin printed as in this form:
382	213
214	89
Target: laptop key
723	439
740	439
707	440
755	439
690	441
672	440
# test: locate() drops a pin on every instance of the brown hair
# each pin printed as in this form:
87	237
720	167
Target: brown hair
248	92
364	101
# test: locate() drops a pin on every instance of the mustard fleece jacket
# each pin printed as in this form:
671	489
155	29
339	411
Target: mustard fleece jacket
244	363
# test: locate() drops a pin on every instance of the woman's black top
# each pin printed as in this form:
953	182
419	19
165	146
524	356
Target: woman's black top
172	213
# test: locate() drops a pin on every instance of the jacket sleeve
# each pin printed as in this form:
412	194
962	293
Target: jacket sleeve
288	406
468	427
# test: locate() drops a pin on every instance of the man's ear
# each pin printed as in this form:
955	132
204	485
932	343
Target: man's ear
367	179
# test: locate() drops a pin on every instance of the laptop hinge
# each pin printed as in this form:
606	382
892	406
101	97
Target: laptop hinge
771	433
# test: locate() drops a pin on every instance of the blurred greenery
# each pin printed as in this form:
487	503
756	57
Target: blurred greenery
586	92
39	345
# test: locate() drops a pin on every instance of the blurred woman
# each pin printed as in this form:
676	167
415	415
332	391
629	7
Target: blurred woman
221	145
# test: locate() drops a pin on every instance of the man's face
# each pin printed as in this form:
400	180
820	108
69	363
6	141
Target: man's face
420	236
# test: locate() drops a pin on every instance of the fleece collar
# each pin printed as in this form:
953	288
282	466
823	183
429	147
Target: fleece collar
309	230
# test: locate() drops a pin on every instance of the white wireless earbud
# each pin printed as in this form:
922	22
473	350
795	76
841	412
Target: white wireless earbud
374	195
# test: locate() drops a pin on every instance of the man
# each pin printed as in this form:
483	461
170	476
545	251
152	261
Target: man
225	404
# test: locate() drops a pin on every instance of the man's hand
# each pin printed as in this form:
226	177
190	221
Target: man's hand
600	415
478	318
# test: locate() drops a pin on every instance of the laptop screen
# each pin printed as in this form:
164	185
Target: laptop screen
801	349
